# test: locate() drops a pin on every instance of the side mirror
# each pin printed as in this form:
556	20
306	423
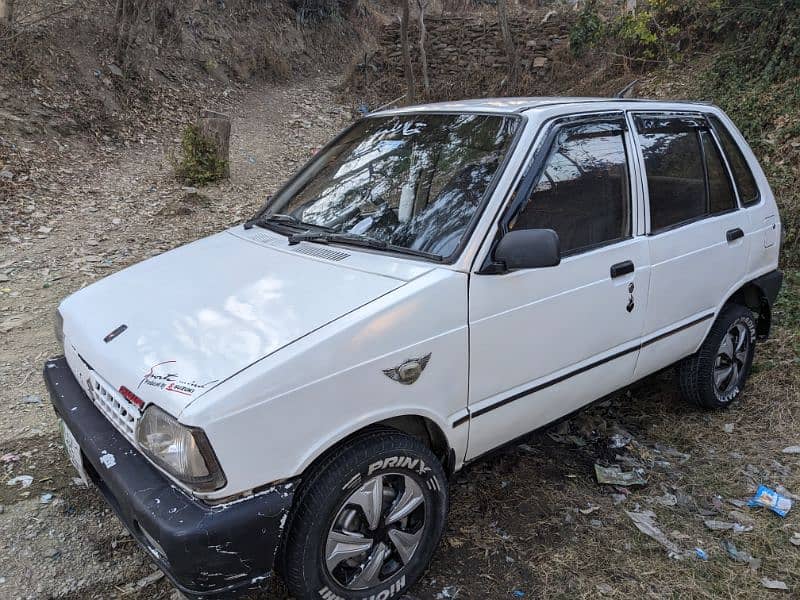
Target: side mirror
528	249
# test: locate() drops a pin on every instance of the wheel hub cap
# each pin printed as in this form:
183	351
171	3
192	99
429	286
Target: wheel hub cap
731	358
376	532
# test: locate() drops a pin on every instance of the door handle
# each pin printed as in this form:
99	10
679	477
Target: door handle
734	234
621	268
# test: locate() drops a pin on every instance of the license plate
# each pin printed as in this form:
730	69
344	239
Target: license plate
74	452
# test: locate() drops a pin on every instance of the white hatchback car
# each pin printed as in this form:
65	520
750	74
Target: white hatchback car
292	394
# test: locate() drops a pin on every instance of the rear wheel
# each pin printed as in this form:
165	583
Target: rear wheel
367	520
714	376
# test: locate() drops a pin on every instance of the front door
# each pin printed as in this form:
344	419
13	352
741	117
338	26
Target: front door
544	342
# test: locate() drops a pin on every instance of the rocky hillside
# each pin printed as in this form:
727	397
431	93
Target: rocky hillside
465	55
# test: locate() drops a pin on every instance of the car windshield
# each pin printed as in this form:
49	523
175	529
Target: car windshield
411	182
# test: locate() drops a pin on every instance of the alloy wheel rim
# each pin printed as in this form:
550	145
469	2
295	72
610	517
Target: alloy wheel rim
731	358
376	532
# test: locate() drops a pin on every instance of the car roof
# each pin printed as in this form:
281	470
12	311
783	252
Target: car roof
516	105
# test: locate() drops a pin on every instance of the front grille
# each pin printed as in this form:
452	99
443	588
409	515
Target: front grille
122	414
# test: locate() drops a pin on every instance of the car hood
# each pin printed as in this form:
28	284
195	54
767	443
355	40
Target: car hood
195	316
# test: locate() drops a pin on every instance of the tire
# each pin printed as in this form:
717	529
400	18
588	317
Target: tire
715	375
324	557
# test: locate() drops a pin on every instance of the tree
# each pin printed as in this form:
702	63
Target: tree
410	95
423	55
508	41
6	11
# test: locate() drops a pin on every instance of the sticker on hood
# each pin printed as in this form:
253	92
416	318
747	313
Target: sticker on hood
165	376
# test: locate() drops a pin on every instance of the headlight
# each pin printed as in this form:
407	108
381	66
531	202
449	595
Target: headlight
180	450
58	325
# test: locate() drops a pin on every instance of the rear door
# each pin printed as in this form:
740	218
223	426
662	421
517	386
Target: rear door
544	342
697	238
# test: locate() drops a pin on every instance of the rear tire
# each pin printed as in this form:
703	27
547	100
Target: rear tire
715	375
367	520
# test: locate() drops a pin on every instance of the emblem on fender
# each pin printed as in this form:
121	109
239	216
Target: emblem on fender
409	371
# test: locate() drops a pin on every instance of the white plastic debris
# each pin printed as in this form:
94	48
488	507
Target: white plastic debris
792	450
645	523
773	584
25	480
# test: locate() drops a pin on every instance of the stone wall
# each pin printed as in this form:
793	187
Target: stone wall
463	51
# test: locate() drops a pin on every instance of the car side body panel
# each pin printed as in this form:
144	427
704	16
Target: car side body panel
275	418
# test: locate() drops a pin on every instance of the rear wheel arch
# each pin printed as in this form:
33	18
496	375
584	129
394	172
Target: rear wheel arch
754	297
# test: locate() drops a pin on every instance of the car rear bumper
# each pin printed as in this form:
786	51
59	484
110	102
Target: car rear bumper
205	550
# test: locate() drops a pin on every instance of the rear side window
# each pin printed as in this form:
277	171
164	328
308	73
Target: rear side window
583	192
745	182
686	177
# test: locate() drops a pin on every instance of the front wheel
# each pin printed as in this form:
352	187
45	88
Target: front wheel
367	520
714	376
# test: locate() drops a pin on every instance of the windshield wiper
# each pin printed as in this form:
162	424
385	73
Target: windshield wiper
355	239
340	238
283	222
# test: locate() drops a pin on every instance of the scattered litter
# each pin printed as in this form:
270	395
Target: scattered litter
778	504
528	448
44	229
795	539
25	480
46	498
740	517
596	523
450	591
728	428
2	580
9	458
32	399
738	503
792	450
519	594
701	554
591	508
773	584
615	476
714	525
740	555
618	498
784	492
620	439
644	522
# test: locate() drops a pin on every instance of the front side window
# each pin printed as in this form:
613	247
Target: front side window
583	192
413	182
686	178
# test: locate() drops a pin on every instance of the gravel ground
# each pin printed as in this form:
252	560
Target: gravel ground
102	209
529	521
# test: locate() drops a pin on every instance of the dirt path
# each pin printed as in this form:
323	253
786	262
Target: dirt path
106	210
528	522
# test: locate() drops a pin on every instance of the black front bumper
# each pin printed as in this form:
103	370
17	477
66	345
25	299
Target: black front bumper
205	550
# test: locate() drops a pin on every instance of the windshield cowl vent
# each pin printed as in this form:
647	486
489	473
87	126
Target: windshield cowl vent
320	252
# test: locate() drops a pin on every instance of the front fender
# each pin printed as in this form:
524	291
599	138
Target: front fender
271	421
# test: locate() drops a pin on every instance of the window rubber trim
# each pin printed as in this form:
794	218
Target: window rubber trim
534	170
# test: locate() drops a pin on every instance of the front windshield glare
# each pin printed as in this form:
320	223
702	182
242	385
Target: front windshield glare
411	181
